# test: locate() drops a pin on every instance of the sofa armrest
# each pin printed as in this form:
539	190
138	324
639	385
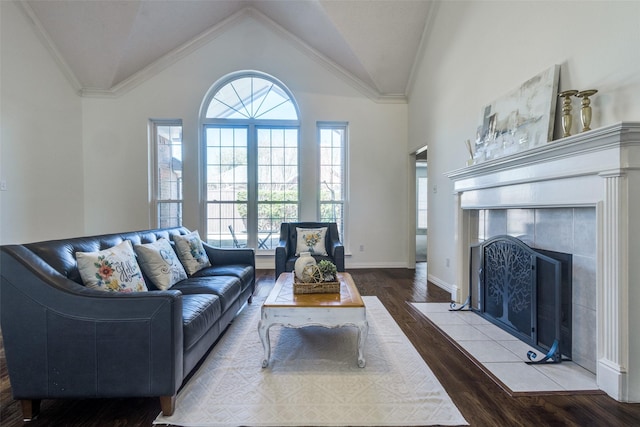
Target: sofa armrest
283	249
282	252
64	340
337	253
228	256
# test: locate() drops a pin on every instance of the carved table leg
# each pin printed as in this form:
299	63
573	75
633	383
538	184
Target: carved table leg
363	331
263	331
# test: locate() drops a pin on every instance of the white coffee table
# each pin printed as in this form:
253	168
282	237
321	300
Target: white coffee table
283	307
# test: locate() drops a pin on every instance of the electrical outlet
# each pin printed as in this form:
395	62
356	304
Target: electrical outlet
3	185
361	248
435	188
447	262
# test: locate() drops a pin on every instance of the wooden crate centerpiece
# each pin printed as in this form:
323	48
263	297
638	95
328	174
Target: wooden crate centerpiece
314	282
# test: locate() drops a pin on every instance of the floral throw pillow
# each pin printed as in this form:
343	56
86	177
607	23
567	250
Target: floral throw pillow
311	240
160	263
191	252
114	269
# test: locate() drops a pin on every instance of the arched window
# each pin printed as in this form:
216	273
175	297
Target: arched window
250	134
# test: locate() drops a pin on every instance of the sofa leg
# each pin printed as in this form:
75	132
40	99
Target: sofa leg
30	409
168	405
250	300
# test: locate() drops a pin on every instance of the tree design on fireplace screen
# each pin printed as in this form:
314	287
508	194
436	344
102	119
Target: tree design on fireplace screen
525	291
508	285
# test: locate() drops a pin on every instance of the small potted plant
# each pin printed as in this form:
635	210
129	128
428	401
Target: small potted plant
328	270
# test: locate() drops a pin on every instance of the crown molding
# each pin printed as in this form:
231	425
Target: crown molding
422	46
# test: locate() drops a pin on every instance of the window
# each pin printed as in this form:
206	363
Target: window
167	172
250	138
333	148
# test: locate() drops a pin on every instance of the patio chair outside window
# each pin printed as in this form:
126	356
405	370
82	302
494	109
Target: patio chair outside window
235	239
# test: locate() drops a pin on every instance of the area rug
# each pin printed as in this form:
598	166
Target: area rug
313	379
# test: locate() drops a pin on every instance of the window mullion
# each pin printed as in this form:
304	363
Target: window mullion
252	186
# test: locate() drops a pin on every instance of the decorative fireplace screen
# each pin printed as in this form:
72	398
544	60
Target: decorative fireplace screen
525	291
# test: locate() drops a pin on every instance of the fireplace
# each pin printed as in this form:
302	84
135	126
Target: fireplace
526	292
595	174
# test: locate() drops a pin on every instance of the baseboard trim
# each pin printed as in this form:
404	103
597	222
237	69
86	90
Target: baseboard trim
452	289
266	263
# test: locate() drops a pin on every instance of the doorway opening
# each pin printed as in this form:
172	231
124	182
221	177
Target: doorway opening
421	204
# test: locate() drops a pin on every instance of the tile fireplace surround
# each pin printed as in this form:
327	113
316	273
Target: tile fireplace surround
598	169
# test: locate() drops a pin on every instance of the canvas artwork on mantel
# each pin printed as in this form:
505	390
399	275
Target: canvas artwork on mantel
520	120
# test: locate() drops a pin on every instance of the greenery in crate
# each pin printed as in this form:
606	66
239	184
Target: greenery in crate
322	272
327	270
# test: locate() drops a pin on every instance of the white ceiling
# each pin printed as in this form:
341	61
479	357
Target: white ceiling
105	45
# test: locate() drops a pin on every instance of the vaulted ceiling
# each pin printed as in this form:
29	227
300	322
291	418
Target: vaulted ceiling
105	45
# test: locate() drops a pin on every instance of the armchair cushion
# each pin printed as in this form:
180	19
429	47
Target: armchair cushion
311	240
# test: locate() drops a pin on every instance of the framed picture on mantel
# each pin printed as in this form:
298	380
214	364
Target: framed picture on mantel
520	120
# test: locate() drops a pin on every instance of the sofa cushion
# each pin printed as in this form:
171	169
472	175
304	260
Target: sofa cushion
114	269
160	263
199	313
226	287
241	271
191	252
311	240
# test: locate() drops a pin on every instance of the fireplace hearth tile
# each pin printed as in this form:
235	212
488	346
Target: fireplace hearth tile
494	332
520	349
488	351
463	332
569	376
503	359
520	377
477	321
450	318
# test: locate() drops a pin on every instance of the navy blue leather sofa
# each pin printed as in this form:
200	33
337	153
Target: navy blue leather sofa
64	340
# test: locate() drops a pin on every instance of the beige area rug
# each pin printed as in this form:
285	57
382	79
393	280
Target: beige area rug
313	379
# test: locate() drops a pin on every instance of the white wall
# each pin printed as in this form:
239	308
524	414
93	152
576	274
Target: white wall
40	139
116	154
479	51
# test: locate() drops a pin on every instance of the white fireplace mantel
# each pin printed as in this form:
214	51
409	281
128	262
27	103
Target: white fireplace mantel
598	168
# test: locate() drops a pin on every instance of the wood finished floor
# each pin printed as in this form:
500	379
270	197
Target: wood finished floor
479	399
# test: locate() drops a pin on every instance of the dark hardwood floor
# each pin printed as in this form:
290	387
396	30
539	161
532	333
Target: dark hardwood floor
480	400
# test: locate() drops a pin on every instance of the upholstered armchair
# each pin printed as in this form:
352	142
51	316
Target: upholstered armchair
286	254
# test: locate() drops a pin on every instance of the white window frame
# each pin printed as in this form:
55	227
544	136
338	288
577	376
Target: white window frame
344	127
155	201
252	125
